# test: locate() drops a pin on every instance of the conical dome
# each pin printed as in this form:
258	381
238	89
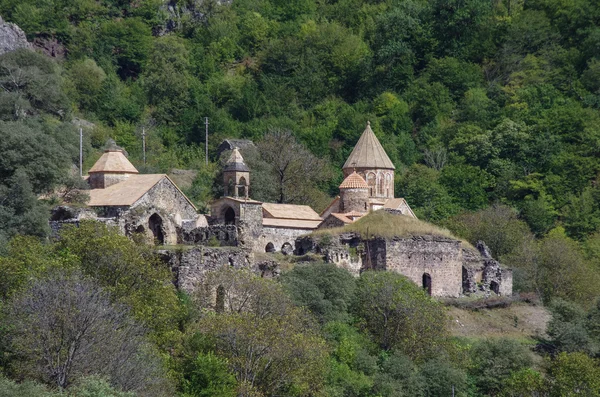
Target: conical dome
113	161
354	181
368	153
236	162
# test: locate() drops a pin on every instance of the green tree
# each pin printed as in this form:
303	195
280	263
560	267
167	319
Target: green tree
269	344
400	315
572	374
494	360
131	272
324	289
208	375
31	86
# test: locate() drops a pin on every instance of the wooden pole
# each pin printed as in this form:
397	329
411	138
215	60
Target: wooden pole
144	143
80	152
206	141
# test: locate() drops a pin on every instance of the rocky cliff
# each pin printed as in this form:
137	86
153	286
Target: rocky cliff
12	37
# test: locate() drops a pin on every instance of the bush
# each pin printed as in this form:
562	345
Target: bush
324	289
399	315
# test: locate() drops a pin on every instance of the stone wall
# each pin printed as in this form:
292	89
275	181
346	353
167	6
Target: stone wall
354	200
226	235
331	222
191	266
280	238
250	225
418	257
165	200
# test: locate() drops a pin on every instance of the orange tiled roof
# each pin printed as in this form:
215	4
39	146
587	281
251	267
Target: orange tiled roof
354	181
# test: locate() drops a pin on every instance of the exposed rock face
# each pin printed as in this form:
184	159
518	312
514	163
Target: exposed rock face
12	37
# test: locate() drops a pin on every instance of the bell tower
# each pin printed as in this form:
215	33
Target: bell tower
236	176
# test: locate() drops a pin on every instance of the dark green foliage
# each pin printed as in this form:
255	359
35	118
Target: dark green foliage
494	360
399	315
206	376
324	289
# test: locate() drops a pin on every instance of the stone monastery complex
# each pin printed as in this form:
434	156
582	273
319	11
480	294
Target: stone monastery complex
247	230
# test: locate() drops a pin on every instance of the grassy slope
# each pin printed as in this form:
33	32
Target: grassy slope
384	224
520	321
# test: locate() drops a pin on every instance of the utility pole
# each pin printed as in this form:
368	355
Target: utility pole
80	152
144	143
206	141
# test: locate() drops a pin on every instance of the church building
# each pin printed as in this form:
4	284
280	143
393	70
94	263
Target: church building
368	184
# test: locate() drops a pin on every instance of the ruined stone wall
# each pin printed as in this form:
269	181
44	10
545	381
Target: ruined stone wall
439	257
191	266
250	225
226	235
279	237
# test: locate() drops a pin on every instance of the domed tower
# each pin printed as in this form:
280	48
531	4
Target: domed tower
236	176
112	168
369	160
354	194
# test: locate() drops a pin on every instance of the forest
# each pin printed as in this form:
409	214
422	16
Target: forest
489	110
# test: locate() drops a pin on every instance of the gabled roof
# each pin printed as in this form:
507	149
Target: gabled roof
127	192
368	153
289	211
396	203
113	160
354	181
236	162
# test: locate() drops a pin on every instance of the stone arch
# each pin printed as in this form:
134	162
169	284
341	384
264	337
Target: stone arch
427	283
270	247
243	187
155	224
380	184
230	187
495	287
287	248
372	182
229	215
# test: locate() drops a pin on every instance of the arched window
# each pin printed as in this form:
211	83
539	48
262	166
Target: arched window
270	248
427	283
380	184
230	188
372	182
242	187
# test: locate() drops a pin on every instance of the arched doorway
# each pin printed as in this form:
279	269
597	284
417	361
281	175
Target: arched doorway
155	223
287	249
427	283
229	216
270	248
494	286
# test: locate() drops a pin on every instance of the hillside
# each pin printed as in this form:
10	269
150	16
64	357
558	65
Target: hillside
519	321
